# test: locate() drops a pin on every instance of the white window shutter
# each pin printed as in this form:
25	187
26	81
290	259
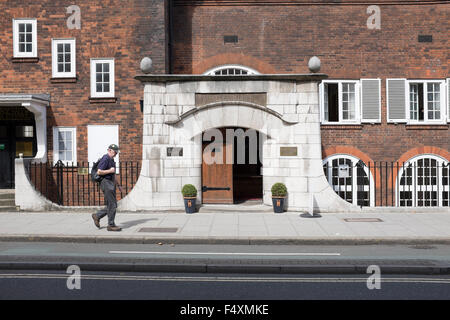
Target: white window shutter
396	100
448	99
370	100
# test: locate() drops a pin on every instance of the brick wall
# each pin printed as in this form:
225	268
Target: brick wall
124	30
271	39
281	38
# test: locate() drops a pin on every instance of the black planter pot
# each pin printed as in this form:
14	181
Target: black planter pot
278	204
189	204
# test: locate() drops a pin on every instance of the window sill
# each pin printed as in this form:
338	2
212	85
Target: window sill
102	100
64	80
427	126
342	126
25	59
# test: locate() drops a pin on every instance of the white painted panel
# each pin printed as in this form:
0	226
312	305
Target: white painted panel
99	138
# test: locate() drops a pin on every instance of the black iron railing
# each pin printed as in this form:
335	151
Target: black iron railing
422	183
71	185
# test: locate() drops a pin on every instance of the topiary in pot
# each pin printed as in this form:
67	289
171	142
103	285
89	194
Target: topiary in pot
279	192
190	196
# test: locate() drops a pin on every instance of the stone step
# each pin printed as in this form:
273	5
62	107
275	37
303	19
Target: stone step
7	193
8	209
7	202
235	208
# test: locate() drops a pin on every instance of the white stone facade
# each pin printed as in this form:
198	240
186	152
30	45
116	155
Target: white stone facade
290	118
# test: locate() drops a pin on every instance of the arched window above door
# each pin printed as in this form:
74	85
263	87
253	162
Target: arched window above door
230	70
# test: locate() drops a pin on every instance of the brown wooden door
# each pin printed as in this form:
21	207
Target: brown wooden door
217	178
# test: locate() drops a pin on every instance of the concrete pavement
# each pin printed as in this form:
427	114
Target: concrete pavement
231	227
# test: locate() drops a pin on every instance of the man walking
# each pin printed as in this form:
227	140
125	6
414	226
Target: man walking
107	169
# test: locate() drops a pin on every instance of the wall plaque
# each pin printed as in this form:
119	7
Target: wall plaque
288	151
202	99
174	152
83	171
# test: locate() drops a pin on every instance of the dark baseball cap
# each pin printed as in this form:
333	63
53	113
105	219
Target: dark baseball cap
114	147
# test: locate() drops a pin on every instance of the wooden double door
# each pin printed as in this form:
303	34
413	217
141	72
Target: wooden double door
224	180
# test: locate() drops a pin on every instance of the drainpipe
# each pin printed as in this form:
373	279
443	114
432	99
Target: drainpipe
170	35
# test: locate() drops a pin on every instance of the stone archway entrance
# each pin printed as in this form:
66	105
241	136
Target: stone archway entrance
178	109
231	165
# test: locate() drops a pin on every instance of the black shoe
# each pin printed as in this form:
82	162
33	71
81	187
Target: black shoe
113	228
96	220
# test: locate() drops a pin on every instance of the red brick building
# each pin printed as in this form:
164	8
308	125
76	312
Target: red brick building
386	97
280	37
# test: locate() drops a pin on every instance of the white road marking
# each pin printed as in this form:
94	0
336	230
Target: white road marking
224	279
228	253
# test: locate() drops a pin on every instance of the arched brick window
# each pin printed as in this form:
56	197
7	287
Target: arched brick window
349	178
423	181
231	70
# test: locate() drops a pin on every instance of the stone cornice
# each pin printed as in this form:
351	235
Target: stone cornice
9	98
261	77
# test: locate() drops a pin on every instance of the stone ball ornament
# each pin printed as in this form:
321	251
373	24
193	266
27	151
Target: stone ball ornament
314	64
146	65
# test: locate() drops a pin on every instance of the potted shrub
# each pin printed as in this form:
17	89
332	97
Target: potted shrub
190	196
279	192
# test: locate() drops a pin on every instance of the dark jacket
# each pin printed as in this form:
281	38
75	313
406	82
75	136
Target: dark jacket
107	163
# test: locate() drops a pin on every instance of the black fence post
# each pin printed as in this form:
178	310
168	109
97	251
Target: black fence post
59	182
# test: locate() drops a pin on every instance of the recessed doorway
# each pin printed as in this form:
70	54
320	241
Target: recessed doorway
17	136
231	166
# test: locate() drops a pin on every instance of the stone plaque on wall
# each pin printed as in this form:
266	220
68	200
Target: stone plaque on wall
288	151
174	152
202	99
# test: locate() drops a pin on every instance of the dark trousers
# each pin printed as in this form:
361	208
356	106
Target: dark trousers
109	190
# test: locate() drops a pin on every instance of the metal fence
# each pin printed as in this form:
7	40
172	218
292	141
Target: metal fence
71	184
422	183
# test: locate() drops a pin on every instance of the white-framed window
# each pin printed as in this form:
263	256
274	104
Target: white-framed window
340	102
350	178
416	101
423	181
231	70
65	145
25	38
426	101
102	78
63	58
